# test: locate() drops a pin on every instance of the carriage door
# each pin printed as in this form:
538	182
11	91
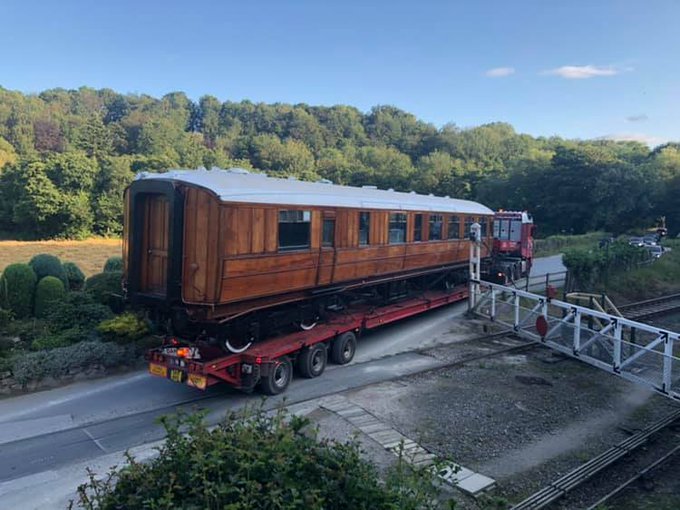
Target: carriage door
156	232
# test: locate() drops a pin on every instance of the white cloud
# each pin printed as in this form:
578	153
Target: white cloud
584	72
500	72
652	141
637	118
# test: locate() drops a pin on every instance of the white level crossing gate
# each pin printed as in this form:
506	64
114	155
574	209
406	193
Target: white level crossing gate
638	352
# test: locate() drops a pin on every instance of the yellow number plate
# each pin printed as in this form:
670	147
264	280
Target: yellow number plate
176	375
158	370
197	381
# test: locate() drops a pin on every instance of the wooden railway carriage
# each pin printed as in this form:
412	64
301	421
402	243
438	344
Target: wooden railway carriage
211	249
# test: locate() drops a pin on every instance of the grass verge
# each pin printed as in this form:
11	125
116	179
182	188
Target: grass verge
556	244
90	255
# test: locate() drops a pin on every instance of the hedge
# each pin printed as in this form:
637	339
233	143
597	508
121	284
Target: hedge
58	362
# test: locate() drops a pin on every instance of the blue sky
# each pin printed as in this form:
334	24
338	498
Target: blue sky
579	69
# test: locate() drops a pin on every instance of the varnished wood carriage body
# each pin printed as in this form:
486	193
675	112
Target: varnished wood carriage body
222	243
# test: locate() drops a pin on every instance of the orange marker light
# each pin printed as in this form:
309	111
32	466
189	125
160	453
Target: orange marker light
184	352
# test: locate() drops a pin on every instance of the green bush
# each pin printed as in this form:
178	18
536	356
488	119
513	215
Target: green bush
17	288
257	461
5	318
70	336
48	265
58	362
48	293
79	309
124	329
74	276
113	264
106	289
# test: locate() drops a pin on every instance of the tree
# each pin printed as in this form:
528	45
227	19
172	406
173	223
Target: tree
281	159
7	153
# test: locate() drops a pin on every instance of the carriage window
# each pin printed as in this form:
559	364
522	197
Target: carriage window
294	230
482	223
436	222
397	228
454	227
328	238
364	228
418	228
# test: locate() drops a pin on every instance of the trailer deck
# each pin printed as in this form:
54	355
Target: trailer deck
243	371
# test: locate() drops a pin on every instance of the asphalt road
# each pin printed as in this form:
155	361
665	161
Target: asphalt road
50	430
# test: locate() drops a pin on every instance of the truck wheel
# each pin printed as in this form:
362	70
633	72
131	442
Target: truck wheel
278	378
312	361
343	348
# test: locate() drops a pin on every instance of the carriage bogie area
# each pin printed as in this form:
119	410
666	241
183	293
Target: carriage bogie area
201	365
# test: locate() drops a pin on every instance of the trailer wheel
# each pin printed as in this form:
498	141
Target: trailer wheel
278	378
312	361
343	348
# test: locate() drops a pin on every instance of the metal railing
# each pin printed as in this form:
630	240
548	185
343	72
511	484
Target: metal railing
635	351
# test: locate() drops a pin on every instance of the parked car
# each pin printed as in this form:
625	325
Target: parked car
655	251
636	241
651	239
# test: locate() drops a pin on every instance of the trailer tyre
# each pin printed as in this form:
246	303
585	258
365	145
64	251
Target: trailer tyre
343	348
312	361
278	378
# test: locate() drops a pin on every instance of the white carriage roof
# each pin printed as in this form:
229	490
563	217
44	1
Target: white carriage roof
239	185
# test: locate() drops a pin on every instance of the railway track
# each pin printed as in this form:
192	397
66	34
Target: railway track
651	307
640	474
575	478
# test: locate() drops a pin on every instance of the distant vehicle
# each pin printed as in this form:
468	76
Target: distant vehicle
650	239
655	251
636	241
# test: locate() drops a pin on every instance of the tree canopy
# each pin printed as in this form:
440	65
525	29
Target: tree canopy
67	155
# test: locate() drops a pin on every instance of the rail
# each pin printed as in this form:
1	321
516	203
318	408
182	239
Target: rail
576	477
651	307
635	351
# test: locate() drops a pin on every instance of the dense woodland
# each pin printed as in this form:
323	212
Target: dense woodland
67	155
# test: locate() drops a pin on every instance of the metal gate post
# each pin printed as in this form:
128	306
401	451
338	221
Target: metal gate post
493	304
616	358
667	364
475	263
516	323
577	332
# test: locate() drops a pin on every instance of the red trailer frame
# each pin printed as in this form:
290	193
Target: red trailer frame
243	371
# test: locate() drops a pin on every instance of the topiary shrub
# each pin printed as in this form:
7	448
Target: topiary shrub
74	276
106	289
124	329
17	289
48	265
48	293
113	264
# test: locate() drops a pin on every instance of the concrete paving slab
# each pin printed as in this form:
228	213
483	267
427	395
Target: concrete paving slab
475	484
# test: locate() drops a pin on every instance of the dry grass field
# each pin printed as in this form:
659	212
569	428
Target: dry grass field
90	255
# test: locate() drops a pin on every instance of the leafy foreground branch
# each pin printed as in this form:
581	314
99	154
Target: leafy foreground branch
256	460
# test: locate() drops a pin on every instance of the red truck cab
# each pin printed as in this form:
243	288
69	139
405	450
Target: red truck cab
513	243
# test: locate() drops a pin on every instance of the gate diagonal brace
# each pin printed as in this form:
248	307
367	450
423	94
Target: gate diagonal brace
662	376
